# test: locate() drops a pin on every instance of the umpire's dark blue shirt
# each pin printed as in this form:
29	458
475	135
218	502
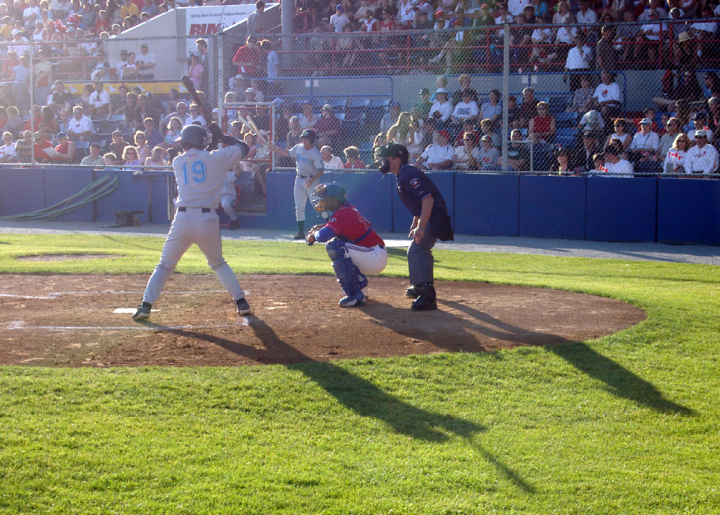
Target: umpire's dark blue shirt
414	186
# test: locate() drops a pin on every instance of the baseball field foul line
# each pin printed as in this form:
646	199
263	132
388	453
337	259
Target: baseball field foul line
54	295
19	325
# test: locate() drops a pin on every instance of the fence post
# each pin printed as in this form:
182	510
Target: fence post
219	83
506	95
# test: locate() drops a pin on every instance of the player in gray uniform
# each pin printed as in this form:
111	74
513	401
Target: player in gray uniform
309	166
200	175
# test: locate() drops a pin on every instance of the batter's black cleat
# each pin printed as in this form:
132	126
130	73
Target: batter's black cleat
426	301
243	308
143	312
299	236
233	225
413	292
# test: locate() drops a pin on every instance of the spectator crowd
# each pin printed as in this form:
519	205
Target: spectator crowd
459	130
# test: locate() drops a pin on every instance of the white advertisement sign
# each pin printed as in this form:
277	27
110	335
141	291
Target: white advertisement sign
209	20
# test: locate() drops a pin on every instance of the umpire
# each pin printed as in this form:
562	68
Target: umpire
430	222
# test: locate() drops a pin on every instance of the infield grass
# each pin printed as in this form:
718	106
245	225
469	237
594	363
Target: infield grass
625	424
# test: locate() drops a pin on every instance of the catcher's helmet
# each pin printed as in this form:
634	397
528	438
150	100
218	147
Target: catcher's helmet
328	198
193	136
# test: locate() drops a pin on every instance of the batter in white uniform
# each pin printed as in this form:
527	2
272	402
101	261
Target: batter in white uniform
200	176
309	166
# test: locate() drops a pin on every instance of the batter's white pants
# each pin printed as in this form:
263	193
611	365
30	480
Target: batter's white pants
226	201
370	261
302	194
188	227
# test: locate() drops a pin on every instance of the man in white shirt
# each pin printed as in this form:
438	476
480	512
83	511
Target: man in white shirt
702	158
145	62
615	165
700	121
8	154
31	14
503	17
645	143
330	161
608	97
516	6
99	101
339	19
79	127
255	20
437	157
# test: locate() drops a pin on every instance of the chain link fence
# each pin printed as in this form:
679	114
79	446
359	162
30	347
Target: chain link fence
542	79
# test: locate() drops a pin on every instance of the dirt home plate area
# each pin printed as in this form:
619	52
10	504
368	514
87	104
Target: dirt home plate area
66	320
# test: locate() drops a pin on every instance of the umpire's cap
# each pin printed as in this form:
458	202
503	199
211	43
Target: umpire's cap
309	134
193	136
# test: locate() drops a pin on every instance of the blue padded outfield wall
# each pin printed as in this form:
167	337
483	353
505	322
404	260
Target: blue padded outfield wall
663	209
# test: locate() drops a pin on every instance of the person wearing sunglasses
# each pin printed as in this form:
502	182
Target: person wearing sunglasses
677	155
702	158
195	117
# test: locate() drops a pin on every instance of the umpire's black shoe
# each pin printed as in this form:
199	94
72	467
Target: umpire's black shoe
143	312
299	236
413	292
426	300
243	308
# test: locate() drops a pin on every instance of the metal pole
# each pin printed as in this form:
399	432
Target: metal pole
32	102
287	16
220	76
506	95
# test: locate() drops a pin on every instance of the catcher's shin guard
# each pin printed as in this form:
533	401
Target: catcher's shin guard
350	278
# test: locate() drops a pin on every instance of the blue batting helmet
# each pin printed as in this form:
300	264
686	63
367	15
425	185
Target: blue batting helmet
193	136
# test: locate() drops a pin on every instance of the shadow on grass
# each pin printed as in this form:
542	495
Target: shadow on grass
357	394
618	380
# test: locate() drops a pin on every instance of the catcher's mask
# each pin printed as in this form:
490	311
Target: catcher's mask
328	198
387	151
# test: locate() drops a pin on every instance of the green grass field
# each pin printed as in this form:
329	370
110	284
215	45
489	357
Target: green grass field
626	424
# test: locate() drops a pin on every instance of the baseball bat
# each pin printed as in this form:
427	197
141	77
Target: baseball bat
194	94
252	126
257	131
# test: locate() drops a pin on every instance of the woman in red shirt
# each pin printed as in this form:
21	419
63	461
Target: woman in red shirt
541	129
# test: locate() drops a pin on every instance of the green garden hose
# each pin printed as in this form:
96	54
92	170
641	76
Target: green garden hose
105	184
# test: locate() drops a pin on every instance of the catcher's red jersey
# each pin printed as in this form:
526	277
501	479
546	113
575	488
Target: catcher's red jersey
350	224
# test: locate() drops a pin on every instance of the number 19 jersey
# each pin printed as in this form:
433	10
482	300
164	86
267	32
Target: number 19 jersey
200	175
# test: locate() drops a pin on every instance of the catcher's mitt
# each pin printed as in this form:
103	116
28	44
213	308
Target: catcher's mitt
310	238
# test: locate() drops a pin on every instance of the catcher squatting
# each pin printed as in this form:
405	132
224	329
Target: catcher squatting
352	245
